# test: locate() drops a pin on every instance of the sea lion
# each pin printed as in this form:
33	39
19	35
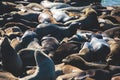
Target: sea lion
81	36
77	61
44	65
64	50
27	56
60	15
67	71
88	20
22	26
101	49
27	37
49	44
56	31
87	52
113	56
46	17
34	44
10	59
113	32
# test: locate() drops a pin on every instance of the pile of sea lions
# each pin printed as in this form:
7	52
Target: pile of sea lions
59	40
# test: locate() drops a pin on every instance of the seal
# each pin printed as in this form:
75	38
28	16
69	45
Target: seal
27	57
113	32
112	57
77	61
49	44
10	59
56	31
87	52
44	65
89	20
101	49
27	37
60	15
64	50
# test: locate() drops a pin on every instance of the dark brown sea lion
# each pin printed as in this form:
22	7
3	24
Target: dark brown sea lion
79	62
64	50
45	68
49	44
56	31
89	20
10	59
27	56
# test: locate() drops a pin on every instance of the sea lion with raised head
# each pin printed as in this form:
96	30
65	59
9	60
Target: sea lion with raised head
45	68
10	59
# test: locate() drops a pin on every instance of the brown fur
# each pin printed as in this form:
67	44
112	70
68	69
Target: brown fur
113	56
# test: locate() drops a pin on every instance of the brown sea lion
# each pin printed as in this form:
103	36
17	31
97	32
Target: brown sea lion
113	32
64	50
45	68
77	61
67	71
10	59
113	56
89	20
